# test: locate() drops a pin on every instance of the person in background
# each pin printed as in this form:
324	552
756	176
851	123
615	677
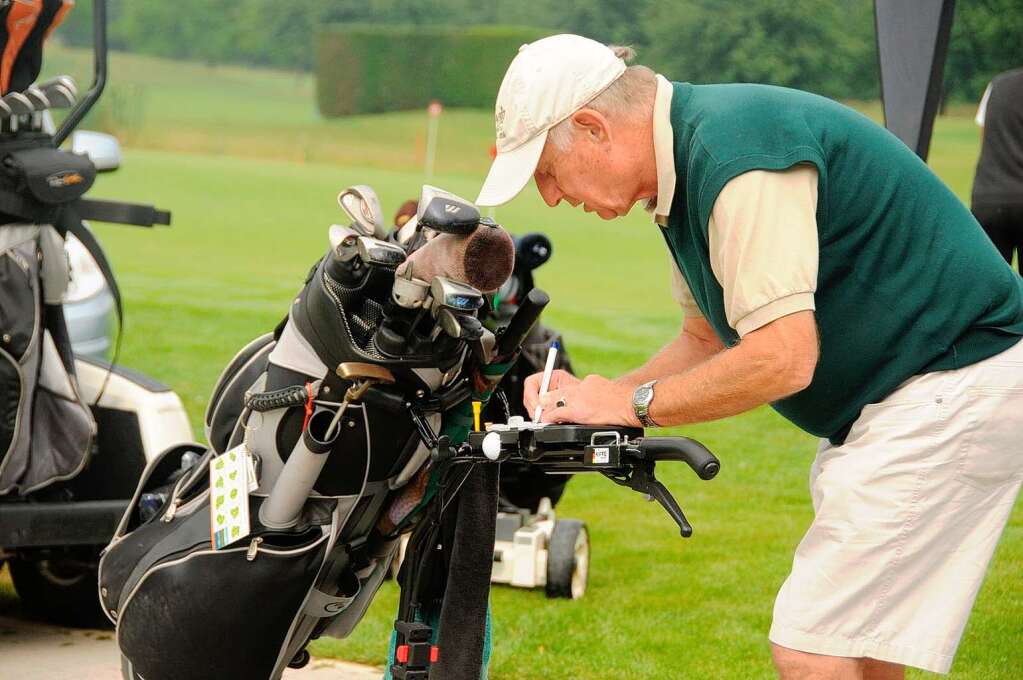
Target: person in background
997	200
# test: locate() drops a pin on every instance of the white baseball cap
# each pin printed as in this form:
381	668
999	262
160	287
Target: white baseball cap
547	82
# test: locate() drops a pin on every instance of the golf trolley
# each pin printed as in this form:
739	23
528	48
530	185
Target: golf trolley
352	423
75	432
534	546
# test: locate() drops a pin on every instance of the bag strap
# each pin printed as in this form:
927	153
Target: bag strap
69	222
119	212
24	208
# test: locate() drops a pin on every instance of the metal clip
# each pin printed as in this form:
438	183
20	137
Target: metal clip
171	511
253	550
616	438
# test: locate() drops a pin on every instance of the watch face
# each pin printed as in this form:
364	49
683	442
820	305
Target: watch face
644	395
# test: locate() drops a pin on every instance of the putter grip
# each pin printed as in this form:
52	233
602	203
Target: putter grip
704	463
520	325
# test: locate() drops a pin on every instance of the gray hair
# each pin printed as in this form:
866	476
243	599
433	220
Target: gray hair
621	100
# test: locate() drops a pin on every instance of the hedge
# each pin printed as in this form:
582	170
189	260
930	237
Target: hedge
363	68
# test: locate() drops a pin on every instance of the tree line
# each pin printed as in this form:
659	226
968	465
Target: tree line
819	45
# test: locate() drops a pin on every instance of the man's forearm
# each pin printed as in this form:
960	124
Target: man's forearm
754	372
681	354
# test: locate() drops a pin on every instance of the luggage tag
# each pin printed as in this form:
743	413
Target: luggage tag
231	476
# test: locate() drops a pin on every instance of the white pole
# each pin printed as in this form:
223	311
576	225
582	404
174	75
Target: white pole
434	110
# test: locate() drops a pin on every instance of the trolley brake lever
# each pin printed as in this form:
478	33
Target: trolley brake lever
641	478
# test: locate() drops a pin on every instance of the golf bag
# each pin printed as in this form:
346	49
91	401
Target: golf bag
338	410
46	431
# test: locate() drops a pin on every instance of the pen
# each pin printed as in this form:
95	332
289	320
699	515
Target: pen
552	356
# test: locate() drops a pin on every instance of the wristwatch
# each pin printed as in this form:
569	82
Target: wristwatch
641	400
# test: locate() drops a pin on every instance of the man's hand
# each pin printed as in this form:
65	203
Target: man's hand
595	400
560	379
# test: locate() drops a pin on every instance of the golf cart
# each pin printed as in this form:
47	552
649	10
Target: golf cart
76	431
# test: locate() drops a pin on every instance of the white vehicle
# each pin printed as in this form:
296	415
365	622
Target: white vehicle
53	526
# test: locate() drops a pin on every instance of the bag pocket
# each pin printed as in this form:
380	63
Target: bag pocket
19	299
991	454
10	403
188	612
219	614
52	176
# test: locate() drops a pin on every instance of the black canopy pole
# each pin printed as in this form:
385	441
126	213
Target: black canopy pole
912	42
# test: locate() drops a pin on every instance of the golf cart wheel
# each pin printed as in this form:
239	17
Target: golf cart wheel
568	559
60	590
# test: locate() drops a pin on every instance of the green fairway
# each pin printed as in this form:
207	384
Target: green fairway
251	174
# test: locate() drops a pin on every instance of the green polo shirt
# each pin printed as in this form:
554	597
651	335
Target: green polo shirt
908	283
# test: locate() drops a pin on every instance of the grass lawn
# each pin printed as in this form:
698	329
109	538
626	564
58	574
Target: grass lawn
251	174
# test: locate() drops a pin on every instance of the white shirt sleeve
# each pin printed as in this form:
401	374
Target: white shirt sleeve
982	109
763	244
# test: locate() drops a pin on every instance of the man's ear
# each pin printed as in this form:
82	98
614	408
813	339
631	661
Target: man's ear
593	125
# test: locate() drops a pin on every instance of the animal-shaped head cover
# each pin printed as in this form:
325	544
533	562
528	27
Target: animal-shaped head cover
483	259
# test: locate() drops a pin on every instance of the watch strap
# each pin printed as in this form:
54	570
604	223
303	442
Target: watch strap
642	407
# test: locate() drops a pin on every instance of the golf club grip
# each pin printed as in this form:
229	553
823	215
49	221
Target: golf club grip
704	463
520	325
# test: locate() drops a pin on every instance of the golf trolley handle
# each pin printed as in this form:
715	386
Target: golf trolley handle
694	454
99	48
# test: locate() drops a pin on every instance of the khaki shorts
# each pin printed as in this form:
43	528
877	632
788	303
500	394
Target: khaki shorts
908	512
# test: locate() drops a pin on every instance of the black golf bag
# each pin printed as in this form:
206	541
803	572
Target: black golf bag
349	411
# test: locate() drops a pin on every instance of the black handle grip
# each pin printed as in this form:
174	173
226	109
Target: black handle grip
520	325
704	463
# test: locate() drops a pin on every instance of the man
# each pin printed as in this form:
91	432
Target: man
825	270
998	184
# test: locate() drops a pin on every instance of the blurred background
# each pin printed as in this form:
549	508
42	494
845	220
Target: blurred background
246	119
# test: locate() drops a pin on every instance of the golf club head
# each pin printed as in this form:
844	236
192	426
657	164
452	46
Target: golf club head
59	96
19	104
39	100
361	204
443	211
66	81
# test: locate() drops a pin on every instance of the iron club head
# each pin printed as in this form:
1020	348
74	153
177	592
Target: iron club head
38	98
59	96
19	104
